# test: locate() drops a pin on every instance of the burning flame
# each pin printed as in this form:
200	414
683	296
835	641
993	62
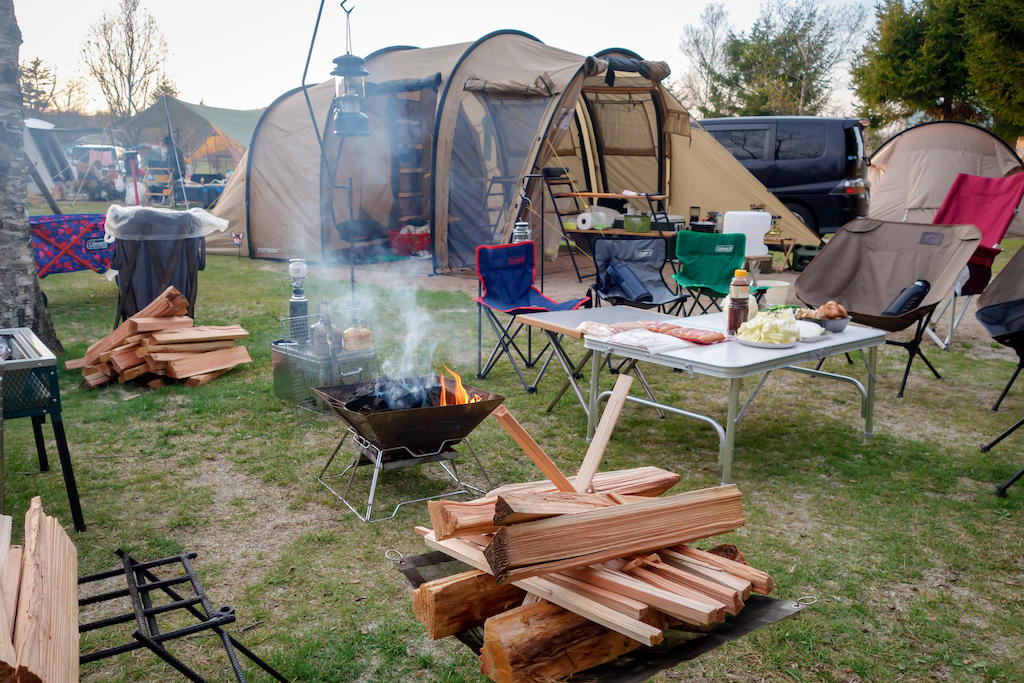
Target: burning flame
460	395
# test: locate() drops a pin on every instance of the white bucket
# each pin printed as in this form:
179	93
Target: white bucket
776	295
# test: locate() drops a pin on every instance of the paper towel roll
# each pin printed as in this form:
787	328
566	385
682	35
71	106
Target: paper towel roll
585	221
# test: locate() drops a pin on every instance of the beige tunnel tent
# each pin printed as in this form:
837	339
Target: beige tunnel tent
912	171
455	131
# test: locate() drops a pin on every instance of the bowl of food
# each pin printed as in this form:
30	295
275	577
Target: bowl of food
835	324
832	316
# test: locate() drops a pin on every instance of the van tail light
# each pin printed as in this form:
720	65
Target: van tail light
851	187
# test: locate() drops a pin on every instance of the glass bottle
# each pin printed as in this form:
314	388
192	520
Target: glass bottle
739	293
324	334
358	336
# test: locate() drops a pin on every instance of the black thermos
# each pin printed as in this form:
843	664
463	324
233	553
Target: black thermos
909	298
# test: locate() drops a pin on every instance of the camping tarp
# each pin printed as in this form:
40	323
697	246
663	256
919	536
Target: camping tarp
216	134
454	130
911	173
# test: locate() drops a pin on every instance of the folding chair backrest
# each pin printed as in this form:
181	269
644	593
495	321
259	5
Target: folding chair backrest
868	262
753	225
1001	305
644	256
989	203
506	271
708	257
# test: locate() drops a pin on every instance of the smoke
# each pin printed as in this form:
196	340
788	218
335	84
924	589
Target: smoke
416	338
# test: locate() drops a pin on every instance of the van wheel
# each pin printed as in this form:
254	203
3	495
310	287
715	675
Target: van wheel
805	215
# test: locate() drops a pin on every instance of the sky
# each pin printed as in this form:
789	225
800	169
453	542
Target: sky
242	54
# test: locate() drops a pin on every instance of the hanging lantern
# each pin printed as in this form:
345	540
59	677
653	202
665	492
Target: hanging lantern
350	89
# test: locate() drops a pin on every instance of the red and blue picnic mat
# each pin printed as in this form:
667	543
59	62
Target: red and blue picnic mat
67	243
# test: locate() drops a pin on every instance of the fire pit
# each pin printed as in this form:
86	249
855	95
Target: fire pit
408	414
400	422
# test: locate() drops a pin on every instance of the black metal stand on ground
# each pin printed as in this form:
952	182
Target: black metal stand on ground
32	390
142	584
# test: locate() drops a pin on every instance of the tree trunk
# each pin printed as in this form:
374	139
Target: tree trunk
21	300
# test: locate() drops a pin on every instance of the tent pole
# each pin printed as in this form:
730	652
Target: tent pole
174	147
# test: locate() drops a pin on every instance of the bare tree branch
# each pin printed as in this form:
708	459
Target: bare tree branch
125	53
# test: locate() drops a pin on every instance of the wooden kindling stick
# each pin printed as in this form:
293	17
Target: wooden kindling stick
532	449
610	416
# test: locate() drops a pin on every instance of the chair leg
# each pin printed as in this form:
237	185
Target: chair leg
506	346
1006	389
987	447
913	348
1001	490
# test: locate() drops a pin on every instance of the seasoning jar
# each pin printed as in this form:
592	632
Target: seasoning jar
739	294
358	336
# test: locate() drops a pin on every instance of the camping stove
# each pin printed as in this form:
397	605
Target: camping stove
398	423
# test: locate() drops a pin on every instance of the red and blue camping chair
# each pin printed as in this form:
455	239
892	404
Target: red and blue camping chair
69	243
990	204
506	274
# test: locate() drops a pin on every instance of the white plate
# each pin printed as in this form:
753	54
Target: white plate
810	340
765	345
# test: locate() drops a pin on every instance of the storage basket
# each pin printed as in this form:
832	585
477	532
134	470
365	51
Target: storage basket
636	223
408	243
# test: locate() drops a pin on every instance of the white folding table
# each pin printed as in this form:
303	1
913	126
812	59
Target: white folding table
726	360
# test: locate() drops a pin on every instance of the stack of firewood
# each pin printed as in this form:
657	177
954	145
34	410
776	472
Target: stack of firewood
161	343
571	573
38	601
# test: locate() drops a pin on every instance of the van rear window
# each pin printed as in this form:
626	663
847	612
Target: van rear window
799	140
744	144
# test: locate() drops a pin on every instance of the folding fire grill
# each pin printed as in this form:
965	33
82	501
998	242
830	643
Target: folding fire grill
397	429
29	388
153	597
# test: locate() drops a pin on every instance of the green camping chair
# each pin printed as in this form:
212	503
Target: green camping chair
706	264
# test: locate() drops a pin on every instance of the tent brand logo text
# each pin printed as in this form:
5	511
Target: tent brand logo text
268	250
96	244
933	239
723	248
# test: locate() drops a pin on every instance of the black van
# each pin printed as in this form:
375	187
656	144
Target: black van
814	165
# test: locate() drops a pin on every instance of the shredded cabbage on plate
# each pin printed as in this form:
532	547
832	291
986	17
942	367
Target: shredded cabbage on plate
770	327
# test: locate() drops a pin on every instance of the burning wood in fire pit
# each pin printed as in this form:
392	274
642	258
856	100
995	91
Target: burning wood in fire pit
386	393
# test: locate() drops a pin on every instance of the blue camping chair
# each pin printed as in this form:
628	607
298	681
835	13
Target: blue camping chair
506	273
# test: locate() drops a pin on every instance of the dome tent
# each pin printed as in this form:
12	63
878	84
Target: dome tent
453	132
911	172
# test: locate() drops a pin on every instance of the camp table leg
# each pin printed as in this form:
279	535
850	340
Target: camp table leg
725	454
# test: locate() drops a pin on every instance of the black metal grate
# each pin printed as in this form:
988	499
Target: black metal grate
152	597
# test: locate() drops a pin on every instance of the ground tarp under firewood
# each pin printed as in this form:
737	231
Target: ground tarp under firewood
680	644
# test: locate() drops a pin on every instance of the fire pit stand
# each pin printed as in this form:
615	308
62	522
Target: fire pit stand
421	423
397	457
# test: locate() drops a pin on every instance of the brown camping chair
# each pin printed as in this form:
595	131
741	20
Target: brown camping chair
868	262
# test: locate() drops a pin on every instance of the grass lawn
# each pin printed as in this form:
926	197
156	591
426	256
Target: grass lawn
916	565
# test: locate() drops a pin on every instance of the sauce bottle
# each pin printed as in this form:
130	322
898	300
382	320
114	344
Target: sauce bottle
739	293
